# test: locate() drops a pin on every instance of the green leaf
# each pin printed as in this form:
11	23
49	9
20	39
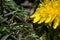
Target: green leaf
5	37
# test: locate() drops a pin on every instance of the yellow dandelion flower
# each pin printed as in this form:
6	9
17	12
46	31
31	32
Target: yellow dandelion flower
48	12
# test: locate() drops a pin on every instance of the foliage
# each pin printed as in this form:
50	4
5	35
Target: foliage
15	23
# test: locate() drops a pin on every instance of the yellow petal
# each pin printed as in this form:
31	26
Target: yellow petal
32	16
53	17
46	1
36	19
56	23
35	14
48	20
42	20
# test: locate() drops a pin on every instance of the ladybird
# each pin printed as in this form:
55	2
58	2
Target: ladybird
27	18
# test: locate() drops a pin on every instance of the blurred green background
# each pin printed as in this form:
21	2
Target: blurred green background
15	22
